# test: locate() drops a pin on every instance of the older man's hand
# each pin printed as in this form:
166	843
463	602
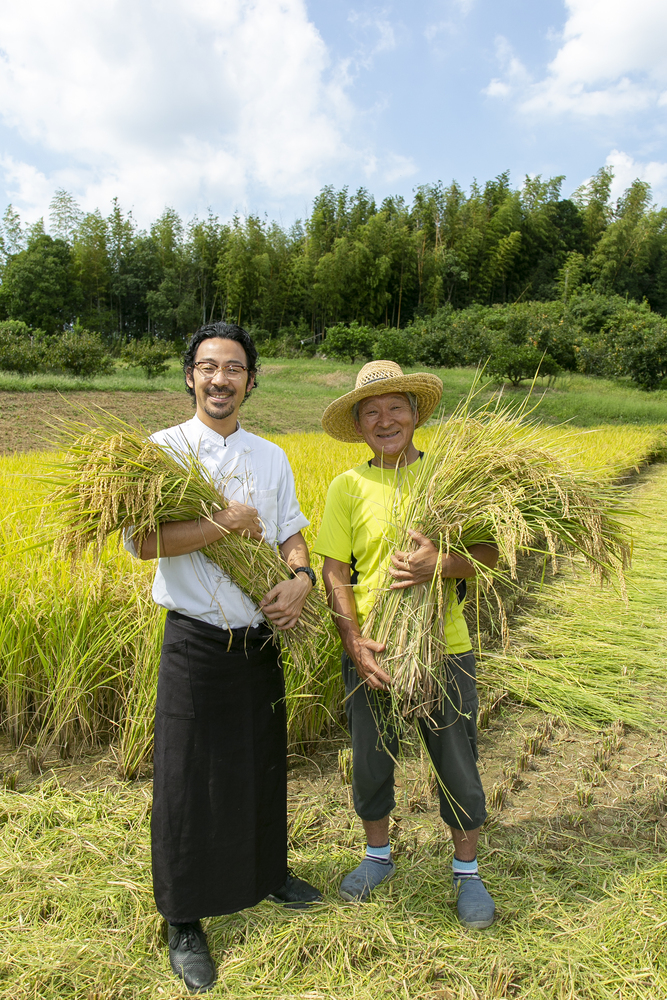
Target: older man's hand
417	566
362	653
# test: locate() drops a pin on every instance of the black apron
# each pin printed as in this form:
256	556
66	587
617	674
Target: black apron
219	821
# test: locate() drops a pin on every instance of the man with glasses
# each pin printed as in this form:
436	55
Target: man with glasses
219	821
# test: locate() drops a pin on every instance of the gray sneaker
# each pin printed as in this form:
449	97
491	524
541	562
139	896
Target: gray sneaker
474	904
358	885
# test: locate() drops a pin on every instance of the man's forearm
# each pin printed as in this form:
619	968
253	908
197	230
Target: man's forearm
458	567
178	538
295	551
341	601
336	576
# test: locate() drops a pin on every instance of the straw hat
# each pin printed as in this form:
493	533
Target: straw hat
377	378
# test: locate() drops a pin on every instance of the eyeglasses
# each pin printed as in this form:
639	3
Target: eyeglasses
207	370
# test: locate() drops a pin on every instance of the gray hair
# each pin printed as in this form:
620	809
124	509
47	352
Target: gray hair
412	400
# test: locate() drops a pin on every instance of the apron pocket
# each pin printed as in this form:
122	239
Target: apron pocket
174	692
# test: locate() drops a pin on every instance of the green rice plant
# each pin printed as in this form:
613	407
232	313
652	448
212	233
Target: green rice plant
113	479
585	653
65	640
60	693
488	479
139	690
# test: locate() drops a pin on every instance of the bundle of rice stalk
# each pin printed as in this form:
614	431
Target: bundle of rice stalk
113	479
488	477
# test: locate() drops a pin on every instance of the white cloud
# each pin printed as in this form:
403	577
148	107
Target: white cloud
449	25
25	183
612	61
626	170
375	35
395	168
515	75
185	102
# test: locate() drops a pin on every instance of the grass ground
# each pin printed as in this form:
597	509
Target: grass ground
574	852
291	397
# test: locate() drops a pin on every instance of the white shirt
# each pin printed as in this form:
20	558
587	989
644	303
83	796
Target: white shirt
248	469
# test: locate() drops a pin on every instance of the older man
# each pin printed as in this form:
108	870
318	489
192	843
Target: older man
362	508
219	821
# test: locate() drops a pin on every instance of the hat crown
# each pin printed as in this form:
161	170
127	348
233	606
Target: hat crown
375	371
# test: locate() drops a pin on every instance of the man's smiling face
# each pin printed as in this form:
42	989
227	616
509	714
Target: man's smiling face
219	397
387	424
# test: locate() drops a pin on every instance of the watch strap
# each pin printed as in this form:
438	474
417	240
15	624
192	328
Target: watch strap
310	573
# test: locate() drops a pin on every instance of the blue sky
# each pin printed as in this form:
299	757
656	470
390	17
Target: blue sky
254	105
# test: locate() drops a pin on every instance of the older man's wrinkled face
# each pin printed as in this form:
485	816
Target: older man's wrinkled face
387	424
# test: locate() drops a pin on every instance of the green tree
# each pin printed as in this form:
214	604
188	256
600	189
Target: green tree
22	350
349	342
151	355
517	363
593	201
38	284
80	353
12	236
65	216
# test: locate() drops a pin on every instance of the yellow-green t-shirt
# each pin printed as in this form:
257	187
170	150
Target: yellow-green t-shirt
363	507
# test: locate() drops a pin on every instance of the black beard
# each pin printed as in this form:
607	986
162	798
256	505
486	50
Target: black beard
220	414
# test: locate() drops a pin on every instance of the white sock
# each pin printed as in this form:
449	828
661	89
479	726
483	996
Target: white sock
464	867
380	854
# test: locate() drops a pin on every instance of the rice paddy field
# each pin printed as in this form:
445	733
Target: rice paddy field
572	756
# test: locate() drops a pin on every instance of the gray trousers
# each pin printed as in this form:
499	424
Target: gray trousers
451	742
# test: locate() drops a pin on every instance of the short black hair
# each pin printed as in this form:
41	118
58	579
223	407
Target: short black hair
226	331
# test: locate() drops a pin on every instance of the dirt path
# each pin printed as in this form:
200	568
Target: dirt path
24	417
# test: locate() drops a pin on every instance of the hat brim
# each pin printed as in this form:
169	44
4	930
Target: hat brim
338	419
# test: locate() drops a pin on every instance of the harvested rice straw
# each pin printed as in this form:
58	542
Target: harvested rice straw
488	478
113	478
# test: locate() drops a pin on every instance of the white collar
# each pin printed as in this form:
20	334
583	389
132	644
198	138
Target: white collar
202	430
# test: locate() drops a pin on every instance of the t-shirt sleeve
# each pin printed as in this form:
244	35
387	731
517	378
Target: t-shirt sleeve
335	535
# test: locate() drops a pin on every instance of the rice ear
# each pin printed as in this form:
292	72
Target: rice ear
112	479
490	476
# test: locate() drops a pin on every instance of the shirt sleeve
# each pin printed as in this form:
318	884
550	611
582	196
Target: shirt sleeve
335	536
128	542
290	517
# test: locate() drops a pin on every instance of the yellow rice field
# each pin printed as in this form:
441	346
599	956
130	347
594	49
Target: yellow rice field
79	644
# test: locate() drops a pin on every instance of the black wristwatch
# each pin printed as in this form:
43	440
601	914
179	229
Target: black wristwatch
308	571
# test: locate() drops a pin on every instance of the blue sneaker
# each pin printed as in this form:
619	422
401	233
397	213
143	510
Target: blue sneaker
358	885
475	906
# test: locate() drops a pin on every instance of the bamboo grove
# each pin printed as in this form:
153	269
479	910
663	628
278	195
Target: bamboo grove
349	260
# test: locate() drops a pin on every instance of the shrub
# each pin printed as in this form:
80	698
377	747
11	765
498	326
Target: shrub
451	338
19	353
349	342
545	326
591	313
638	348
151	355
472	336
436	350
80	353
293	341
516	363
593	358
395	345
17	328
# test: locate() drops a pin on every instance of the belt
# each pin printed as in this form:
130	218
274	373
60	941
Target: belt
247	633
